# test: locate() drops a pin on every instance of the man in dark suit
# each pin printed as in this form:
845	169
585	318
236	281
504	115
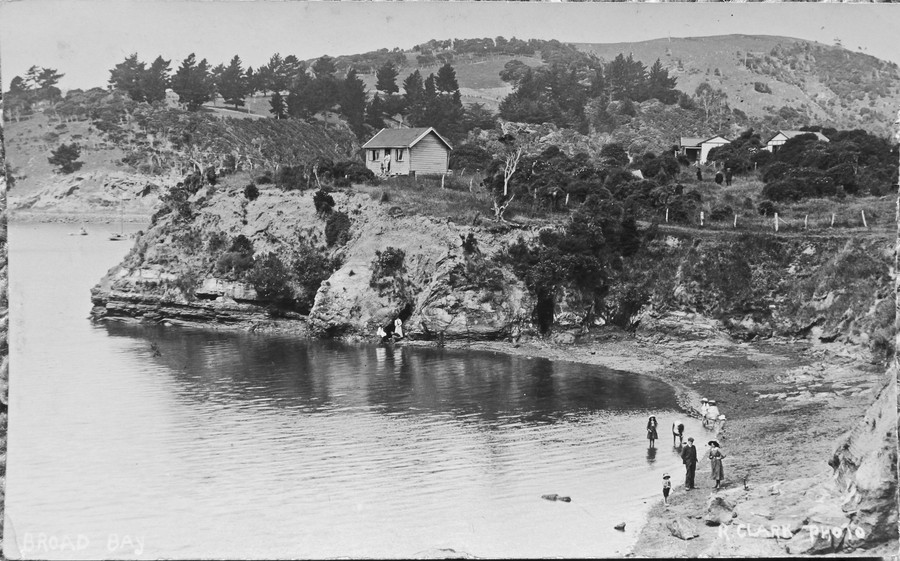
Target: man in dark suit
689	457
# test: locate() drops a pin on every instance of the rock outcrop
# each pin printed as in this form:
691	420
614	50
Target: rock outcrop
442	291
865	467
682	528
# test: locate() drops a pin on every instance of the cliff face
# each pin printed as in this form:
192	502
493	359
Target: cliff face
442	291
827	289
865	467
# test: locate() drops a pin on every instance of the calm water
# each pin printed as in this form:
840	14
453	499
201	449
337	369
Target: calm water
147	442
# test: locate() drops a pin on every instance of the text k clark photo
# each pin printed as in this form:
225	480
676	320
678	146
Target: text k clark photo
430	280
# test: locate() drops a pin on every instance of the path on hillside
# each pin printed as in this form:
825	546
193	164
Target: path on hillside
790	232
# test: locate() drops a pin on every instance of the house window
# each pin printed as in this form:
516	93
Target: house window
374	155
399	154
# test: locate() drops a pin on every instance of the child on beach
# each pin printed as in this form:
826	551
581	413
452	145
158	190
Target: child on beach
667	486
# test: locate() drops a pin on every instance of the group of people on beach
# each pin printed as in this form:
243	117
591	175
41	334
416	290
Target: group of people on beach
708	410
394	334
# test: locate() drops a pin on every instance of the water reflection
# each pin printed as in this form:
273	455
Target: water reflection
651	455
244	370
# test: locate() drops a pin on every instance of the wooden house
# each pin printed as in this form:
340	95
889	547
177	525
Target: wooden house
774	143
698	148
407	151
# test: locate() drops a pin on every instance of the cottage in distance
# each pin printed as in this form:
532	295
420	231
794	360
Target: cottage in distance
407	151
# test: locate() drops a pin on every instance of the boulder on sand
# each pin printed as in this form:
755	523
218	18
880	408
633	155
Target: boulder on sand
718	511
682	529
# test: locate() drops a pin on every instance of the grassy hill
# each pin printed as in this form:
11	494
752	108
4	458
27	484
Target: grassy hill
778	82
826	84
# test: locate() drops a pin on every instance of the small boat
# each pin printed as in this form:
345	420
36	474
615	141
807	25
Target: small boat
82	231
116	236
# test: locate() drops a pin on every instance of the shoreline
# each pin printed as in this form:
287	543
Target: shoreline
807	396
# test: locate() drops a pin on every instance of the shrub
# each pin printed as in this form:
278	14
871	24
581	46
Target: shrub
217	242
337	229
470	157
251	192
788	189
685	208
348	172
65	158
289	178
233	264
387	263
264	179
775	171
469	244
721	213
269	277
766	208
323	201
310	269
238	259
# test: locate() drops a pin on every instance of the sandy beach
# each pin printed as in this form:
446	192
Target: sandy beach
787	404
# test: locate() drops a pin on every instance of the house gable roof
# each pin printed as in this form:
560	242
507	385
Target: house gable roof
791	134
690	142
695	142
402	138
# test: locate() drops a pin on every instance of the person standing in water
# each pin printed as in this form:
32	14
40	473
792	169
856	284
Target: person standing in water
677	432
667	486
652	435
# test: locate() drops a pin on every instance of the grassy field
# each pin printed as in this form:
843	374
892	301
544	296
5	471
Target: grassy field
744	195
464	201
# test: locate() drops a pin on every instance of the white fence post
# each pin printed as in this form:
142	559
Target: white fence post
701	218
667	215
832	220
864	218
776	221
735	220
806	222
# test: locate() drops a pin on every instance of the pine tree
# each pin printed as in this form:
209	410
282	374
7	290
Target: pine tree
375	113
324	66
446	79
278	108
386	78
232	84
127	76
155	80
291	70
272	75
193	82
414	96
353	102
251	81
660	85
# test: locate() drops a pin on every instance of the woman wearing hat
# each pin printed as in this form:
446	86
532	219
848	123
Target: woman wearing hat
715	461
704	407
652	435
712	412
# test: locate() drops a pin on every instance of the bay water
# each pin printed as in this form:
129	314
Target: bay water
134	441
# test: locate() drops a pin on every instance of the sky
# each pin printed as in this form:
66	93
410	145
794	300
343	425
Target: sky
85	38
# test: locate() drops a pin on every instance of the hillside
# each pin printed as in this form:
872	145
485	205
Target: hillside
130	150
824	84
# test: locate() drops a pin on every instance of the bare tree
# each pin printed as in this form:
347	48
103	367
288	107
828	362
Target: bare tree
502	200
